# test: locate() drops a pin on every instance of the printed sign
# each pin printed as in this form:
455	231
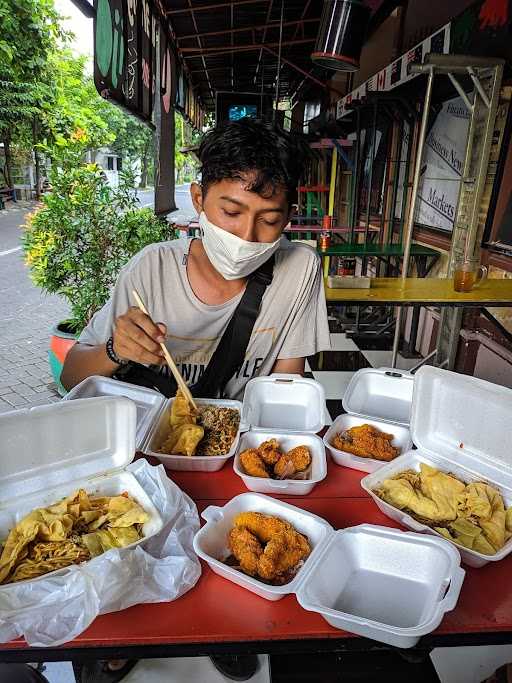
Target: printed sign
442	166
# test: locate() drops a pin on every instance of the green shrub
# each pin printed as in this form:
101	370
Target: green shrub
85	231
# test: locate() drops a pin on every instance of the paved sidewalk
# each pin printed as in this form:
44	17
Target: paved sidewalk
26	318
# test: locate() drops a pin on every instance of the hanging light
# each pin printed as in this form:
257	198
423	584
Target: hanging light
341	35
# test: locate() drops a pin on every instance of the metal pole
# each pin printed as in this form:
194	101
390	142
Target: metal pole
414	196
370	174
355	176
279	59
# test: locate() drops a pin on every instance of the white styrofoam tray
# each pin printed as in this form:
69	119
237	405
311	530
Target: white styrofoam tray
149	403
355	578
48	452
285	404
211	541
288	403
196	463
458	424
295	487
384	394
383	584
401	440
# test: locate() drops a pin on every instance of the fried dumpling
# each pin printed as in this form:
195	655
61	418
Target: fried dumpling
181	411
183	440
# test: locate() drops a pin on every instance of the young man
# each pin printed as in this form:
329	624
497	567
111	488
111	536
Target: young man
191	288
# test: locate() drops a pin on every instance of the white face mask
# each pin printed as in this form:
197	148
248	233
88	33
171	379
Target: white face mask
230	255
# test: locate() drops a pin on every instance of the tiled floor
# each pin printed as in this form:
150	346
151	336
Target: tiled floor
334	369
179	670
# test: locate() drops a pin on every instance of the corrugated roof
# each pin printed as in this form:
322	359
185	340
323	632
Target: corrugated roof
221	45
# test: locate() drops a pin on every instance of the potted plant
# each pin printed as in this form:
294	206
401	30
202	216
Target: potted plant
78	240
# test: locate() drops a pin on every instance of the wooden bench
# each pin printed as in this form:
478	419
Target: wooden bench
5	194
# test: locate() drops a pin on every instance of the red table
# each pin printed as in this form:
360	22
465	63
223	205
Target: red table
218	616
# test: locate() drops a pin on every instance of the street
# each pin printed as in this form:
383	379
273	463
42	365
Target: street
27	315
182	193
26	318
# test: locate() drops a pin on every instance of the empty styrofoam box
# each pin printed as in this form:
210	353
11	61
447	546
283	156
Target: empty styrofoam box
149	403
401	440
381	393
196	463
48	452
289	403
211	541
294	487
458	424
384	584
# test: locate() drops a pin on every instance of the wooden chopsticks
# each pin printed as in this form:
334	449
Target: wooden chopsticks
170	362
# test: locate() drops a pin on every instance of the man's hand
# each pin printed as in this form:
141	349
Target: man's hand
137	338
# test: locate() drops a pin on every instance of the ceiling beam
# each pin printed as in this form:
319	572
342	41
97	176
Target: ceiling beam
201	46
303	72
248	29
226	49
200	8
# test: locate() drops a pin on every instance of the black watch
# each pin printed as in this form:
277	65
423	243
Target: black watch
109	347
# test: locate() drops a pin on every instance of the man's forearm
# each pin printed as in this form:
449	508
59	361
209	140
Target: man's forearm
83	361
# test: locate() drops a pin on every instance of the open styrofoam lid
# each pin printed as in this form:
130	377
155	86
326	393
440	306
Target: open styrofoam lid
47	446
380	393
462	418
290	403
147	401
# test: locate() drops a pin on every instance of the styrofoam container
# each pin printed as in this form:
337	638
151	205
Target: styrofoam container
290	403
458	424
296	487
149	403
381	397
401	440
382	393
291	409
384	584
210	542
48	452
196	463
355	578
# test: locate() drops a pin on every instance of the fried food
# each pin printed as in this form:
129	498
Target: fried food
253	463
473	515
209	431
263	526
366	441
296	460
220	426
246	548
74	530
282	554
267	547
270	452
268	460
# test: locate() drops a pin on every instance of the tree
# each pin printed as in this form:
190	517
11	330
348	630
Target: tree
30	31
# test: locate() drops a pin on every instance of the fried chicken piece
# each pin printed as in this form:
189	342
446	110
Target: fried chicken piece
246	548
270	452
282	553
253	464
366	441
264	527
297	459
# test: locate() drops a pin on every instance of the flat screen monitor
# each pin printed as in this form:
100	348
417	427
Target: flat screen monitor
241	111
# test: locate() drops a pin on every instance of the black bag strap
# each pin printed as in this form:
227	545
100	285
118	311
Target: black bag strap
229	355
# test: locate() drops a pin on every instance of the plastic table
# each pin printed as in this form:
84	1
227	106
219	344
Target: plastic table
389	291
217	616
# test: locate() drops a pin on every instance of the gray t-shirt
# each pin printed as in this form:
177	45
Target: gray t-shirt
292	322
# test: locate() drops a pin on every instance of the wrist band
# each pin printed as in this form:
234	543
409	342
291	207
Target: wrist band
109	348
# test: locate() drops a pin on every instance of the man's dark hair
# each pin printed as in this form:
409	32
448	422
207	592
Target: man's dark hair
232	150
